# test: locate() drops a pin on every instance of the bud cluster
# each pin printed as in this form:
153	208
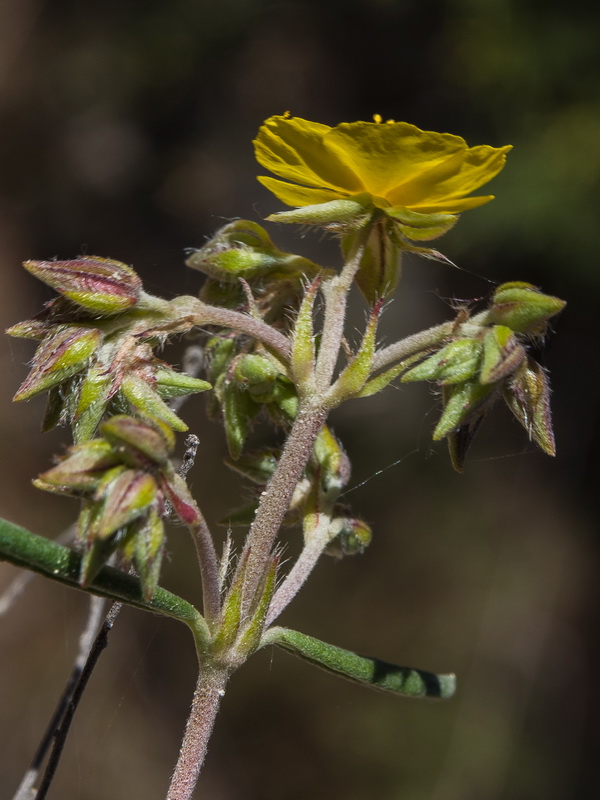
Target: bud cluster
96	351
125	478
488	359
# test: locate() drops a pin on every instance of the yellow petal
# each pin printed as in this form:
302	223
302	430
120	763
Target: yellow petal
296	149
293	195
452	206
453	178
386	155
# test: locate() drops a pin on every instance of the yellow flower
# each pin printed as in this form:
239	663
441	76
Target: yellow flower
396	164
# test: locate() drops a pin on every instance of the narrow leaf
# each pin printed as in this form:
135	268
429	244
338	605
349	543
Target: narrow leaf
371	672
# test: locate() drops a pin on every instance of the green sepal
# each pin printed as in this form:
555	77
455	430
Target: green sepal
284	404
244	249
170	383
57	407
257	374
420	227
459	441
502	354
460	402
92	401
370	672
148	538
456	362
334	464
81	470
344	213
143	399
139	441
125	499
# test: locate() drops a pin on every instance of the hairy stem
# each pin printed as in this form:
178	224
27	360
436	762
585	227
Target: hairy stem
336	299
207	698
297	576
276	498
204	314
209	569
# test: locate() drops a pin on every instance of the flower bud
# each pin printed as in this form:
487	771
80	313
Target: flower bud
243	249
59	356
138	441
523	308
258	375
81	470
126	498
528	397
353	538
454	363
333	462
101	285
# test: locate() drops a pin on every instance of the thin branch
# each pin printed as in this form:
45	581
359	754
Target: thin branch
204	314
411	344
60	736
209	569
336	293
297	576
26	789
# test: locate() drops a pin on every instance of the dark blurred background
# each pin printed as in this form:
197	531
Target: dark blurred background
125	131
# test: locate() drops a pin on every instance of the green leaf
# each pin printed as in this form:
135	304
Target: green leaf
25	549
371	672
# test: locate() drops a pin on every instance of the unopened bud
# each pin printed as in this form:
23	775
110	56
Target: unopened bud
243	249
101	285
126	499
81	470
523	308
138	441
60	355
353	538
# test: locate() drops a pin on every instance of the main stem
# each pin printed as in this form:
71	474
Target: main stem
276	498
207	698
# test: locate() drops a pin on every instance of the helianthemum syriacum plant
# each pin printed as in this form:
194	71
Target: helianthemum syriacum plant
273	324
